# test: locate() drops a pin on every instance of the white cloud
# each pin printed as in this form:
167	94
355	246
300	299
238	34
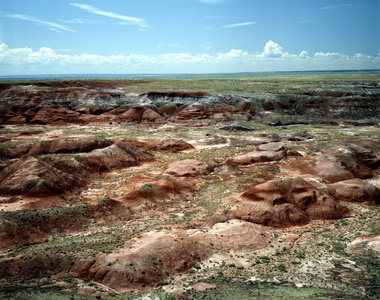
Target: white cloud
126	20
272	49
304	55
234	53
338	6
330	55
79	21
36	21
25	61
239	24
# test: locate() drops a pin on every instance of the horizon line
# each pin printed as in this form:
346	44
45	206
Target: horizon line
100	75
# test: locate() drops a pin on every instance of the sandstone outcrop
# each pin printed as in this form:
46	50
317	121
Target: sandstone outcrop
188	168
117	156
284	203
357	190
86	144
263	153
336	164
164	145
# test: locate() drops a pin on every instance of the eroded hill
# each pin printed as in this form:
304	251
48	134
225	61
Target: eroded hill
108	188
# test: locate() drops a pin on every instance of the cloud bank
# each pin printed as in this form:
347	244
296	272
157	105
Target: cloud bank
25	61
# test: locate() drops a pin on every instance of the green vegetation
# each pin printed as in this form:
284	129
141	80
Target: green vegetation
306	255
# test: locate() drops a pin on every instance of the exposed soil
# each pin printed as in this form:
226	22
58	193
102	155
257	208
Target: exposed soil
104	192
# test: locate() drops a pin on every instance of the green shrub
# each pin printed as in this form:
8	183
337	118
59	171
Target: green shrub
282	268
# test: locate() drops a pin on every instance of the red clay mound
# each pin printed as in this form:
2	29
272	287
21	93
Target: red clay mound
56	116
144	263
263	153
140	114
13	237
6	114
179	94
86	144
35	176
152	259
357	190
236	235
216	111
284	203
162	190
118	156
188	168
6	154
191	112
336	164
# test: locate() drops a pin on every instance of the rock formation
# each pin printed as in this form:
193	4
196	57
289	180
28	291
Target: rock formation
356	190
86	144
42	176
336	164
188	168
117	156
263	153
284	203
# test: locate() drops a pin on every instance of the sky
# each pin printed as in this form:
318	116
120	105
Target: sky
187	36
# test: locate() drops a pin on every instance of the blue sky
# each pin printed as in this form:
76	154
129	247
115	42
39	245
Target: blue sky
187	36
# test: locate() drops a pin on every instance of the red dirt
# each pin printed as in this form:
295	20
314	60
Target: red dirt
285	203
